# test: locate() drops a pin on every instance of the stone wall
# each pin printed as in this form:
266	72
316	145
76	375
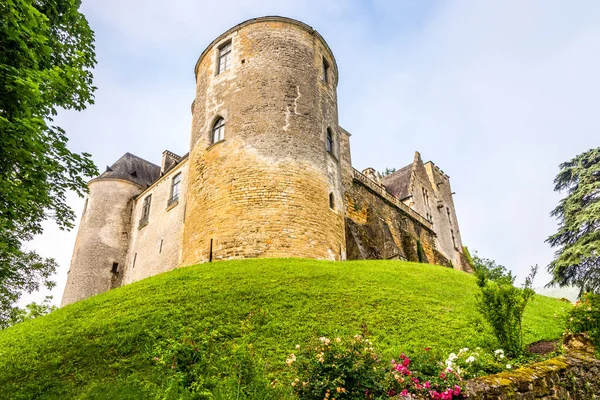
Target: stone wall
379	226
575	375
264	190
156	246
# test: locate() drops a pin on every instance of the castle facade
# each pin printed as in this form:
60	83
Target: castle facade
268	174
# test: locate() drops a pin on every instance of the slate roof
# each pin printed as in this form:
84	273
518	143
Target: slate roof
133	169
397	183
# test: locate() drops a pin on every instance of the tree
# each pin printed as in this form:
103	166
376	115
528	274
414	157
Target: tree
577	259
46	58
388	171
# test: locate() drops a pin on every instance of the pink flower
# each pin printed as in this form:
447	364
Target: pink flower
442	375
404	392
456	390
406	362
427	385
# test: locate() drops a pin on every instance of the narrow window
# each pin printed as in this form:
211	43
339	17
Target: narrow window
160	248
85	206
224	57
218	130
325	70
329	142
426	197
146	210
134	259
453	238
448	211
331	201
210	251
115	268
175	186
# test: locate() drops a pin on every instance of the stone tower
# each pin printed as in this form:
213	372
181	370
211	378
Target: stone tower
264	175
103	235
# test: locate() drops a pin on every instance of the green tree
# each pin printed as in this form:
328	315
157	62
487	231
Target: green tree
577	259
46	58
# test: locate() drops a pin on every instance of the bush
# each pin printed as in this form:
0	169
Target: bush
502	305
351	369
585	317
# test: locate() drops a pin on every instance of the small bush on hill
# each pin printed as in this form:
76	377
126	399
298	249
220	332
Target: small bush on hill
502	304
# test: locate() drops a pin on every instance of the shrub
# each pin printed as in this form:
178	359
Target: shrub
351	369
585	317
347	369
502	305
478	362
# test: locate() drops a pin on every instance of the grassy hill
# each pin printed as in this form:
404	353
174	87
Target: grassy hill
245	317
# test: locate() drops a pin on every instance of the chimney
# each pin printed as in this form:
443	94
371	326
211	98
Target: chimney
169	160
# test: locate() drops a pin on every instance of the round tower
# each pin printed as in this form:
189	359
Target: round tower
103	234
265	176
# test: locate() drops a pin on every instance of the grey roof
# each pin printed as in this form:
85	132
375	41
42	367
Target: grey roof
397	183
134	169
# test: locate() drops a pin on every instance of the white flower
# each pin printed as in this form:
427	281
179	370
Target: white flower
501	356
508	366
297	346
324	340
470	360
499	351
452	357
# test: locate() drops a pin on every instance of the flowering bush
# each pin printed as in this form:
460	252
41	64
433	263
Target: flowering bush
585	317
474	363
351	369
336	369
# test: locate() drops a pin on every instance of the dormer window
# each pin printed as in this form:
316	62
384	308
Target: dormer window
223	60
218	130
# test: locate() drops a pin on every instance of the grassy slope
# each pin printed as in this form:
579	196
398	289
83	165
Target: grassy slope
103	346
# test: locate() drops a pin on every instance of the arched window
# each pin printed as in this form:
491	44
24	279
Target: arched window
329	141
218	130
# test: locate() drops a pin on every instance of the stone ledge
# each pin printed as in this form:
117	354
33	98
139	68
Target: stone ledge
570	376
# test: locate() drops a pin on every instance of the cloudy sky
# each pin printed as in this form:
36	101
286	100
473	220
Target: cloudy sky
496	93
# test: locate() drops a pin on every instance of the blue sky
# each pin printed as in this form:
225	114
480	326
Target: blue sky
496	93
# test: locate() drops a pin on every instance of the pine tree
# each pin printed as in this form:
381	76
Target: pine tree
577	259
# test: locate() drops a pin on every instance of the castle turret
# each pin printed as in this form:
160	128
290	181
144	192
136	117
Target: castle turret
264	162
103	235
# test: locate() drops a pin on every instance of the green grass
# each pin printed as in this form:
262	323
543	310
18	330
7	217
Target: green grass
103	347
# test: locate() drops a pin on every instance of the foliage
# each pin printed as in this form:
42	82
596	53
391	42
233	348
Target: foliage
577	259
387	171
502	305
104	346
347	369
488	269
22	272
351	369
469	258
585	317
45	64
478	362
32	310
199	363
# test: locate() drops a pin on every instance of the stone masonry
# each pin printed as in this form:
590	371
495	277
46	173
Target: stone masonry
269	174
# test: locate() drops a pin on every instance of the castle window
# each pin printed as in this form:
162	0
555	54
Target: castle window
224	57
175	186
331	201
325	70
145	210
448	211
453	238
115	268
329	142
426	196
218	130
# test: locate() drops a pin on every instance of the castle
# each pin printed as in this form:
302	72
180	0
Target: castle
268	174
